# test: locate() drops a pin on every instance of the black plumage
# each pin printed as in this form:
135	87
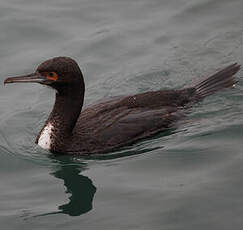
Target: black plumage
119	121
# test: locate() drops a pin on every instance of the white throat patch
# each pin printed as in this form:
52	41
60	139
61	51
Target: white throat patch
45	137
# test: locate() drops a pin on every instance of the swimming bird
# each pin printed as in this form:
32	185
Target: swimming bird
120	121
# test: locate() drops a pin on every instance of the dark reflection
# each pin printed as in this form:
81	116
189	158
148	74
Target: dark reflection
80	188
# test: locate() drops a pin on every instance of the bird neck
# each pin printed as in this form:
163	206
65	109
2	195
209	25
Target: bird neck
58	128
66	111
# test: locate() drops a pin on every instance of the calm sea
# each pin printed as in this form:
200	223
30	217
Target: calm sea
190	178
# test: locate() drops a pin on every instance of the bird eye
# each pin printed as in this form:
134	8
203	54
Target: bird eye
52	76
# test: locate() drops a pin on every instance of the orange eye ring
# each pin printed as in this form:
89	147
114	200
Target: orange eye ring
52	76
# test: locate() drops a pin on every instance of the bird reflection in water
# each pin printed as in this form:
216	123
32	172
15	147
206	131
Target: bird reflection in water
80	188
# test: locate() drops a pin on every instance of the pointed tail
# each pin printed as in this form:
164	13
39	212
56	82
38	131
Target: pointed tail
222	79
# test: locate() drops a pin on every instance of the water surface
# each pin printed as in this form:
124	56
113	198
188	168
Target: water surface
189	178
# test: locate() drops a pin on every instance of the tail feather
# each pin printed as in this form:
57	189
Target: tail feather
222	79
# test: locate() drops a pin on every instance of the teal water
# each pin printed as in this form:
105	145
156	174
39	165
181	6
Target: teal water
189	178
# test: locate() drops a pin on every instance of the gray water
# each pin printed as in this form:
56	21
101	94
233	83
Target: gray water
190	178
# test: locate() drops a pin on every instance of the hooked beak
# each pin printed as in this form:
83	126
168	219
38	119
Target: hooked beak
30	78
